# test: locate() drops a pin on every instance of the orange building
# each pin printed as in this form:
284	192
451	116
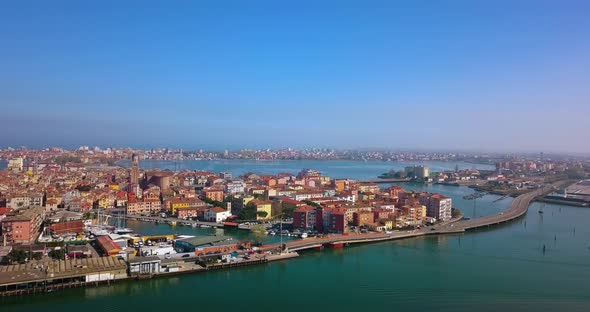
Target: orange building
23	226
213	194
363	218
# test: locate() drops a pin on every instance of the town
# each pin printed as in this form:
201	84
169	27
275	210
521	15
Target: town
63	209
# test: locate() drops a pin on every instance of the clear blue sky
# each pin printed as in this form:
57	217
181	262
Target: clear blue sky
507	75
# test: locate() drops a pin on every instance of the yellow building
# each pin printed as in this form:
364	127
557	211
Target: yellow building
263	206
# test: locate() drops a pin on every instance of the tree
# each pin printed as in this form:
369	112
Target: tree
17	255
262	214
215	203
58	254
313	204
37	256
248	213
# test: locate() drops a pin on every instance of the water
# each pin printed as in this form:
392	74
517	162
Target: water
503	268
334	169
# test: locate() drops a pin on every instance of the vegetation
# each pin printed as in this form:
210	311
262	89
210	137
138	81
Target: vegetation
248	213
310	203
58	254
22	256
214	202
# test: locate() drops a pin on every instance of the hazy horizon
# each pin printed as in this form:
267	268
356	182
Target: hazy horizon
502	76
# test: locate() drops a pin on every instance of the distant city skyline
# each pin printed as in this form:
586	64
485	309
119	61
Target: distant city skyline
500	76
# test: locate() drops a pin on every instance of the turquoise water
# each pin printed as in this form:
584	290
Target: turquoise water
500	269
503	268
334	169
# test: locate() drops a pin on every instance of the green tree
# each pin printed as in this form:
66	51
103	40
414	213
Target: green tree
37	256
58	254
262	214
313	204
17	255
248	213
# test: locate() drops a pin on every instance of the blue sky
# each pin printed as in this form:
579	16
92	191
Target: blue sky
471	75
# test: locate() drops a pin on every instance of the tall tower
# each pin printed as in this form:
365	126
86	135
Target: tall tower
134	169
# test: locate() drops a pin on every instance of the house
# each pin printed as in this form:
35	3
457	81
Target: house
217	214
263	208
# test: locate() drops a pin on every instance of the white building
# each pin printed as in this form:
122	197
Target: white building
235	187
16	164
217	214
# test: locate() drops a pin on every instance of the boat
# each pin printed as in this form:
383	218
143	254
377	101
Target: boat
123	230
272	233
303	235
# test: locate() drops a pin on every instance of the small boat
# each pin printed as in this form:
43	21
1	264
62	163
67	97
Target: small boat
123	230
272	233
303	235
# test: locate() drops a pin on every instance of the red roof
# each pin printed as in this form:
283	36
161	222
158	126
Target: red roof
4	210
292	201
304	209
108	245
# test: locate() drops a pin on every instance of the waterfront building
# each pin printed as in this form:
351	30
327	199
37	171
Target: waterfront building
173	204
440	207
304	218
262	206
108	246
363	218
191	212
144	266
217	214
23	226
143	207
61	273
418	172
239	202
337	221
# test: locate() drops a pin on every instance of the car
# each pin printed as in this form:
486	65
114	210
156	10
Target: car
168	257
186	256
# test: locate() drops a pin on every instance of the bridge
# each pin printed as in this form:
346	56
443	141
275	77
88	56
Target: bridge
517	209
